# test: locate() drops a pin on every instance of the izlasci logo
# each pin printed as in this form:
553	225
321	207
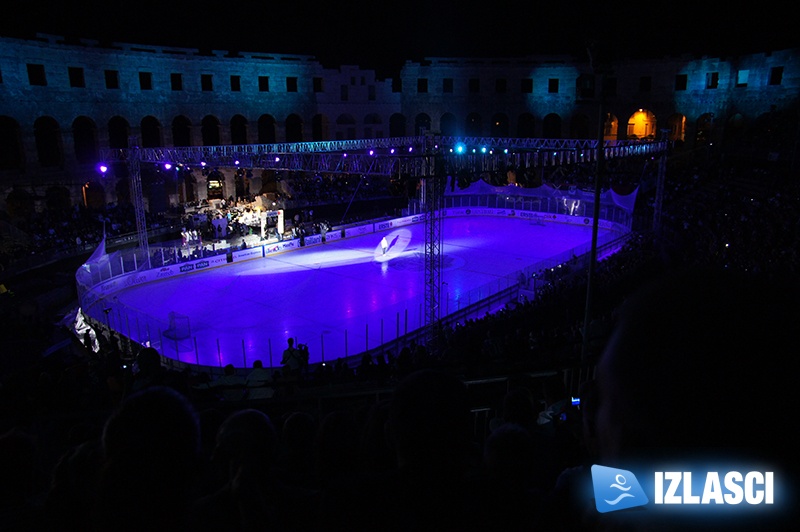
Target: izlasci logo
616	489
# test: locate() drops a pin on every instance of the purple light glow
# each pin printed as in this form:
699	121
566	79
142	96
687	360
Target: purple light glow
384	292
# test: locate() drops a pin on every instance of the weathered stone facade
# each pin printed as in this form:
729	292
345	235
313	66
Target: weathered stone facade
62	102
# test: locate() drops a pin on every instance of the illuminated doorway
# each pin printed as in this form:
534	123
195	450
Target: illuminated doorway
642	125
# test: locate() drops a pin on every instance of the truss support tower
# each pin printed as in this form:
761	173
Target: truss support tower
433	197
137	197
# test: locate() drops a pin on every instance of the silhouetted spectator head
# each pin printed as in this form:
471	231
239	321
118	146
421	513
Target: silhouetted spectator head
148	360
698	362
73	488
553	389
509	455
18	454
376	454
519	407
298	436
337	445
152	450
429	420
247	438
299	430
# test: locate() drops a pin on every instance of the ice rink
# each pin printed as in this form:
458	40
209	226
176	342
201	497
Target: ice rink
339	298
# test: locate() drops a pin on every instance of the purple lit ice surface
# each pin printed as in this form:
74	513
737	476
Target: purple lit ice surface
339	298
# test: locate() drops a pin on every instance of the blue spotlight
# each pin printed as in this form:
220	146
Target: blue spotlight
461	147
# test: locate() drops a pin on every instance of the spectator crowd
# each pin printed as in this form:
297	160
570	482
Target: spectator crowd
96	441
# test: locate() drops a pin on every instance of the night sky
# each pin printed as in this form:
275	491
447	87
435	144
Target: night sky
382	35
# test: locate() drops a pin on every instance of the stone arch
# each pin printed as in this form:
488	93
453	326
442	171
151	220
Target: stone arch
704	129
526	126
84	140
320	127
20	204
551	126
677	127
266	129
345	127
118	132
448	125
238	130
397	125
48	141
372	123
422	123
150	130
611	127
209	130
294	128
11	152
473	127
94	195
579	127
181	131
57	198
735	129
501	126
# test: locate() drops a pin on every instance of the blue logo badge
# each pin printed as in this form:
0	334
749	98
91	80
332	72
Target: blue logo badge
616	489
